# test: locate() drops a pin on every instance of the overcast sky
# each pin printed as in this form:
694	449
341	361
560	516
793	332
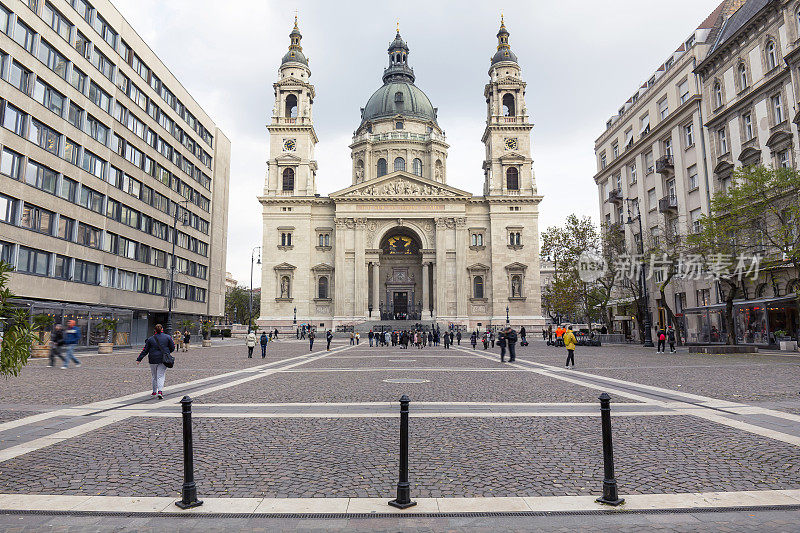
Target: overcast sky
581	59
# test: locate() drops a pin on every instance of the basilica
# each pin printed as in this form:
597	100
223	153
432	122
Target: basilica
400	243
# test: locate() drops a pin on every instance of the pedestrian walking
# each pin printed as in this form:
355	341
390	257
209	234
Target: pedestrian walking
177	338
569	343
473	339
511	341
352	339
451	337
671	339
458	337
550	334
56	344
446	341
358	338
370	336
275	334
544	334
156	348
522	335
501	341
71	339
662	339
264	341
491	338
250	341
311	340
329	338
187	339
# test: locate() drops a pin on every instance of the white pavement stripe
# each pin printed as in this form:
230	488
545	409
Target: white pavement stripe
59	436
633	502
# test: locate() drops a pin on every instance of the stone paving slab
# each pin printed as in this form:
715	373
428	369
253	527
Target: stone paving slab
514	386
254	458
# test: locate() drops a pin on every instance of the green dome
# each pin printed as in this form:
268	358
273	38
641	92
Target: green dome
399	98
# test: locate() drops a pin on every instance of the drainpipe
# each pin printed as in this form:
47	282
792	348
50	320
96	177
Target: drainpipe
702	133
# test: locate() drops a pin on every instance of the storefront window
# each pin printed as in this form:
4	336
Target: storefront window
751	325
782	317
697	326
718	332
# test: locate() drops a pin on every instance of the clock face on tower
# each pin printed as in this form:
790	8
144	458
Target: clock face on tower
511	143
289	145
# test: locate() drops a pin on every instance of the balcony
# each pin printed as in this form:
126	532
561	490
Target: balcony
615	196
664	164
668	204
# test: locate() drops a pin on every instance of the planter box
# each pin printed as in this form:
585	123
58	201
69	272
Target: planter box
206	343
739	348
105	347
40	350
788	346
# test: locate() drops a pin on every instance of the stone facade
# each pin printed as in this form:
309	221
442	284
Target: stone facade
400	243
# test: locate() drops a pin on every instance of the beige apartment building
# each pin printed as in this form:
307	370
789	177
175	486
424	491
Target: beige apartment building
726	98
400	243
750	77
106	164
651	162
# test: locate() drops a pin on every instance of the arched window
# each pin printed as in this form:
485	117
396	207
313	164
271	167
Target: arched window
416	167
381	167
474	239
399	164
512	179
508	105
322	239
772	59
398	97
288	179
398	125
477	287
291	106
322	287
742	76
717	95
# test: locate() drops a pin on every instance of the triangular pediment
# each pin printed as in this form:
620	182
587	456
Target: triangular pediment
512	156
516	266
322	266
288	158
400	184
284	266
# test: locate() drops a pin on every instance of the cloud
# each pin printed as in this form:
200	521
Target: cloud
581	60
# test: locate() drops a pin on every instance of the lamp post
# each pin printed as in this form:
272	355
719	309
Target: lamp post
172	261
250	302
294	320
648	339
507	322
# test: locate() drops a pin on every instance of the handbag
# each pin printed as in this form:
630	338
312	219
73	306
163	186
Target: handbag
166	358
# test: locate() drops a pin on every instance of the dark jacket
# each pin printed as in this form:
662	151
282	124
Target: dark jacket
57	336
671	336
501	339
153	351
511	336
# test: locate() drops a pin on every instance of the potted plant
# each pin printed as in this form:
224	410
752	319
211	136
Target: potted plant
43	324
109	325
784	341
206	330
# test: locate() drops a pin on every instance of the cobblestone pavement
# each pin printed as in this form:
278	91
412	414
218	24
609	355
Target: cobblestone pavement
735	377
506	386
323	457
734	522
129	452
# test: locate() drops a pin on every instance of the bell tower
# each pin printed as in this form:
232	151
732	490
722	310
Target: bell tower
508	165
292	169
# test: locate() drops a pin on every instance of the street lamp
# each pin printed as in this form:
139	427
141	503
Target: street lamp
648	339
250	303
507	322
172	260
294	320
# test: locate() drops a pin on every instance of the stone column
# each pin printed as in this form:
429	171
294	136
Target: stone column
360	296
440	305
462	291
339	289
376	292
426	292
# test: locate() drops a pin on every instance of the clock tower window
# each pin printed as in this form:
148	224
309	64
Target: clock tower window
509	108
512	179
288	179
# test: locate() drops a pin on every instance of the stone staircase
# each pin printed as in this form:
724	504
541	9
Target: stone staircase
392	325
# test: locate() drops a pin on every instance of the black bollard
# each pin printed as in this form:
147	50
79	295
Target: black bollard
403	500
610	495
189	491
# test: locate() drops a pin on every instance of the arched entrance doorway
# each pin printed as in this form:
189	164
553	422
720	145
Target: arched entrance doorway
400	276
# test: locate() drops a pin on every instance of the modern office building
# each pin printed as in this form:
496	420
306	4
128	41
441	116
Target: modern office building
106	164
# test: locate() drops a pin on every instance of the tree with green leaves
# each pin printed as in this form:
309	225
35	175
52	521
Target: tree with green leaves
237	304
19	332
